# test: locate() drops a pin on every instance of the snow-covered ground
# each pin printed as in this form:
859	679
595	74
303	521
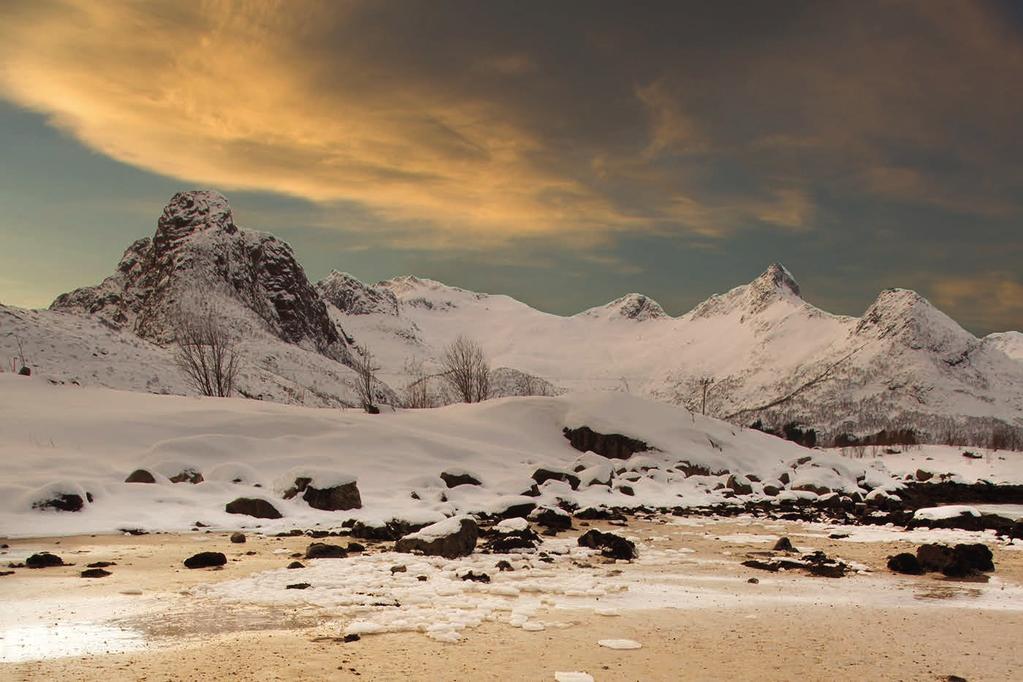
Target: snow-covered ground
994	466
68	439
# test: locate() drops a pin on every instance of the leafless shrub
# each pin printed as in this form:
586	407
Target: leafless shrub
467	370
417	393
365	378
206	353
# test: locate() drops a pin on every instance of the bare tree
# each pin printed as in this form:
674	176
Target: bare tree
206	353
467	370
417	391
365	371
705	384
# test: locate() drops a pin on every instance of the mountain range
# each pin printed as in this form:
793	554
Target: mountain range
760	350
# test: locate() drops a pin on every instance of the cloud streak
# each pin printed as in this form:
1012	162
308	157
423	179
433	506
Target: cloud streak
458	124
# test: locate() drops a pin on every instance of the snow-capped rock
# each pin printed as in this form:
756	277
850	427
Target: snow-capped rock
198	256
630	307
352	297
1010	343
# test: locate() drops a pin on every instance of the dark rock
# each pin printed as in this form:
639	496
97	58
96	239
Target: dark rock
771	490
68	502
401	568
612	445
542	475
453	480
599	514
43	560
392	530
253	506
518	510
238	538
934	557
812	488
451	546
334	498
25	371
922	475
784	545
476	577
205	560
3	573
905	563
976	556
626	490
753	581
504	565
296	564
551	518
356	547
140	476
502	542
348	639
95	573
323	550
741	486
609	544
298	586
187	476
101	564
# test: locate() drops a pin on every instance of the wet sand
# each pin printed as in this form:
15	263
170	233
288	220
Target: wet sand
786	626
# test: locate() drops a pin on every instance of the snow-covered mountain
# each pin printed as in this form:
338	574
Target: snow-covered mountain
116	334
903	363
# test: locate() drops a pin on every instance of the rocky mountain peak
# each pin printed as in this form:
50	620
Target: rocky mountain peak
354	297
633	306
776	278
198	256
190	212
907	317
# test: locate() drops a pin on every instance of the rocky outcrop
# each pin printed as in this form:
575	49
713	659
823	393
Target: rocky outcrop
339	497
253	506
354	297
196	255
450	538
610	445
140	476
610	545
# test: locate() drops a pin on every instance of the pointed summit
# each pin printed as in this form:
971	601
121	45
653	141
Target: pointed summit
907	317
352	296
631	307
777	276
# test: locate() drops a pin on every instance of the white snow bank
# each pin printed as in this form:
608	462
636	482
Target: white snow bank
947	512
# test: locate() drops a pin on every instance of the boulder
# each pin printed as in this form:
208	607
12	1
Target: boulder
610	445
739	484
43	560
206	560
238	538
187	476
298	586
934	557
323	550
95	573
453	479
253	506
66	502
551	518
784	545
450	538
542	475
340	497
140	476
905	563
610	545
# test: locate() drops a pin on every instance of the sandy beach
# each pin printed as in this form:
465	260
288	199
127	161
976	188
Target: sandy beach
687	601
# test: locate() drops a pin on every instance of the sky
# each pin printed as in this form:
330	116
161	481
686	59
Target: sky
564	153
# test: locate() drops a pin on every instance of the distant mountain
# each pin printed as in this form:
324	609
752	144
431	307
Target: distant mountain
762	351
903	363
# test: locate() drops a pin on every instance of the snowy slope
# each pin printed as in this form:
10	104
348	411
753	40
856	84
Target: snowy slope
902	362
1010	343
65	438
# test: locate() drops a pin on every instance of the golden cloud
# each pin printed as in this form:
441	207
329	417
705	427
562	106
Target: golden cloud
226	93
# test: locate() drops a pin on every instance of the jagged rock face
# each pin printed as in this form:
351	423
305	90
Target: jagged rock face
630	307
905	317
775	284
197	255
353	297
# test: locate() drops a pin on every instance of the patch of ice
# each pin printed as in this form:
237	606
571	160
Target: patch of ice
620	644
